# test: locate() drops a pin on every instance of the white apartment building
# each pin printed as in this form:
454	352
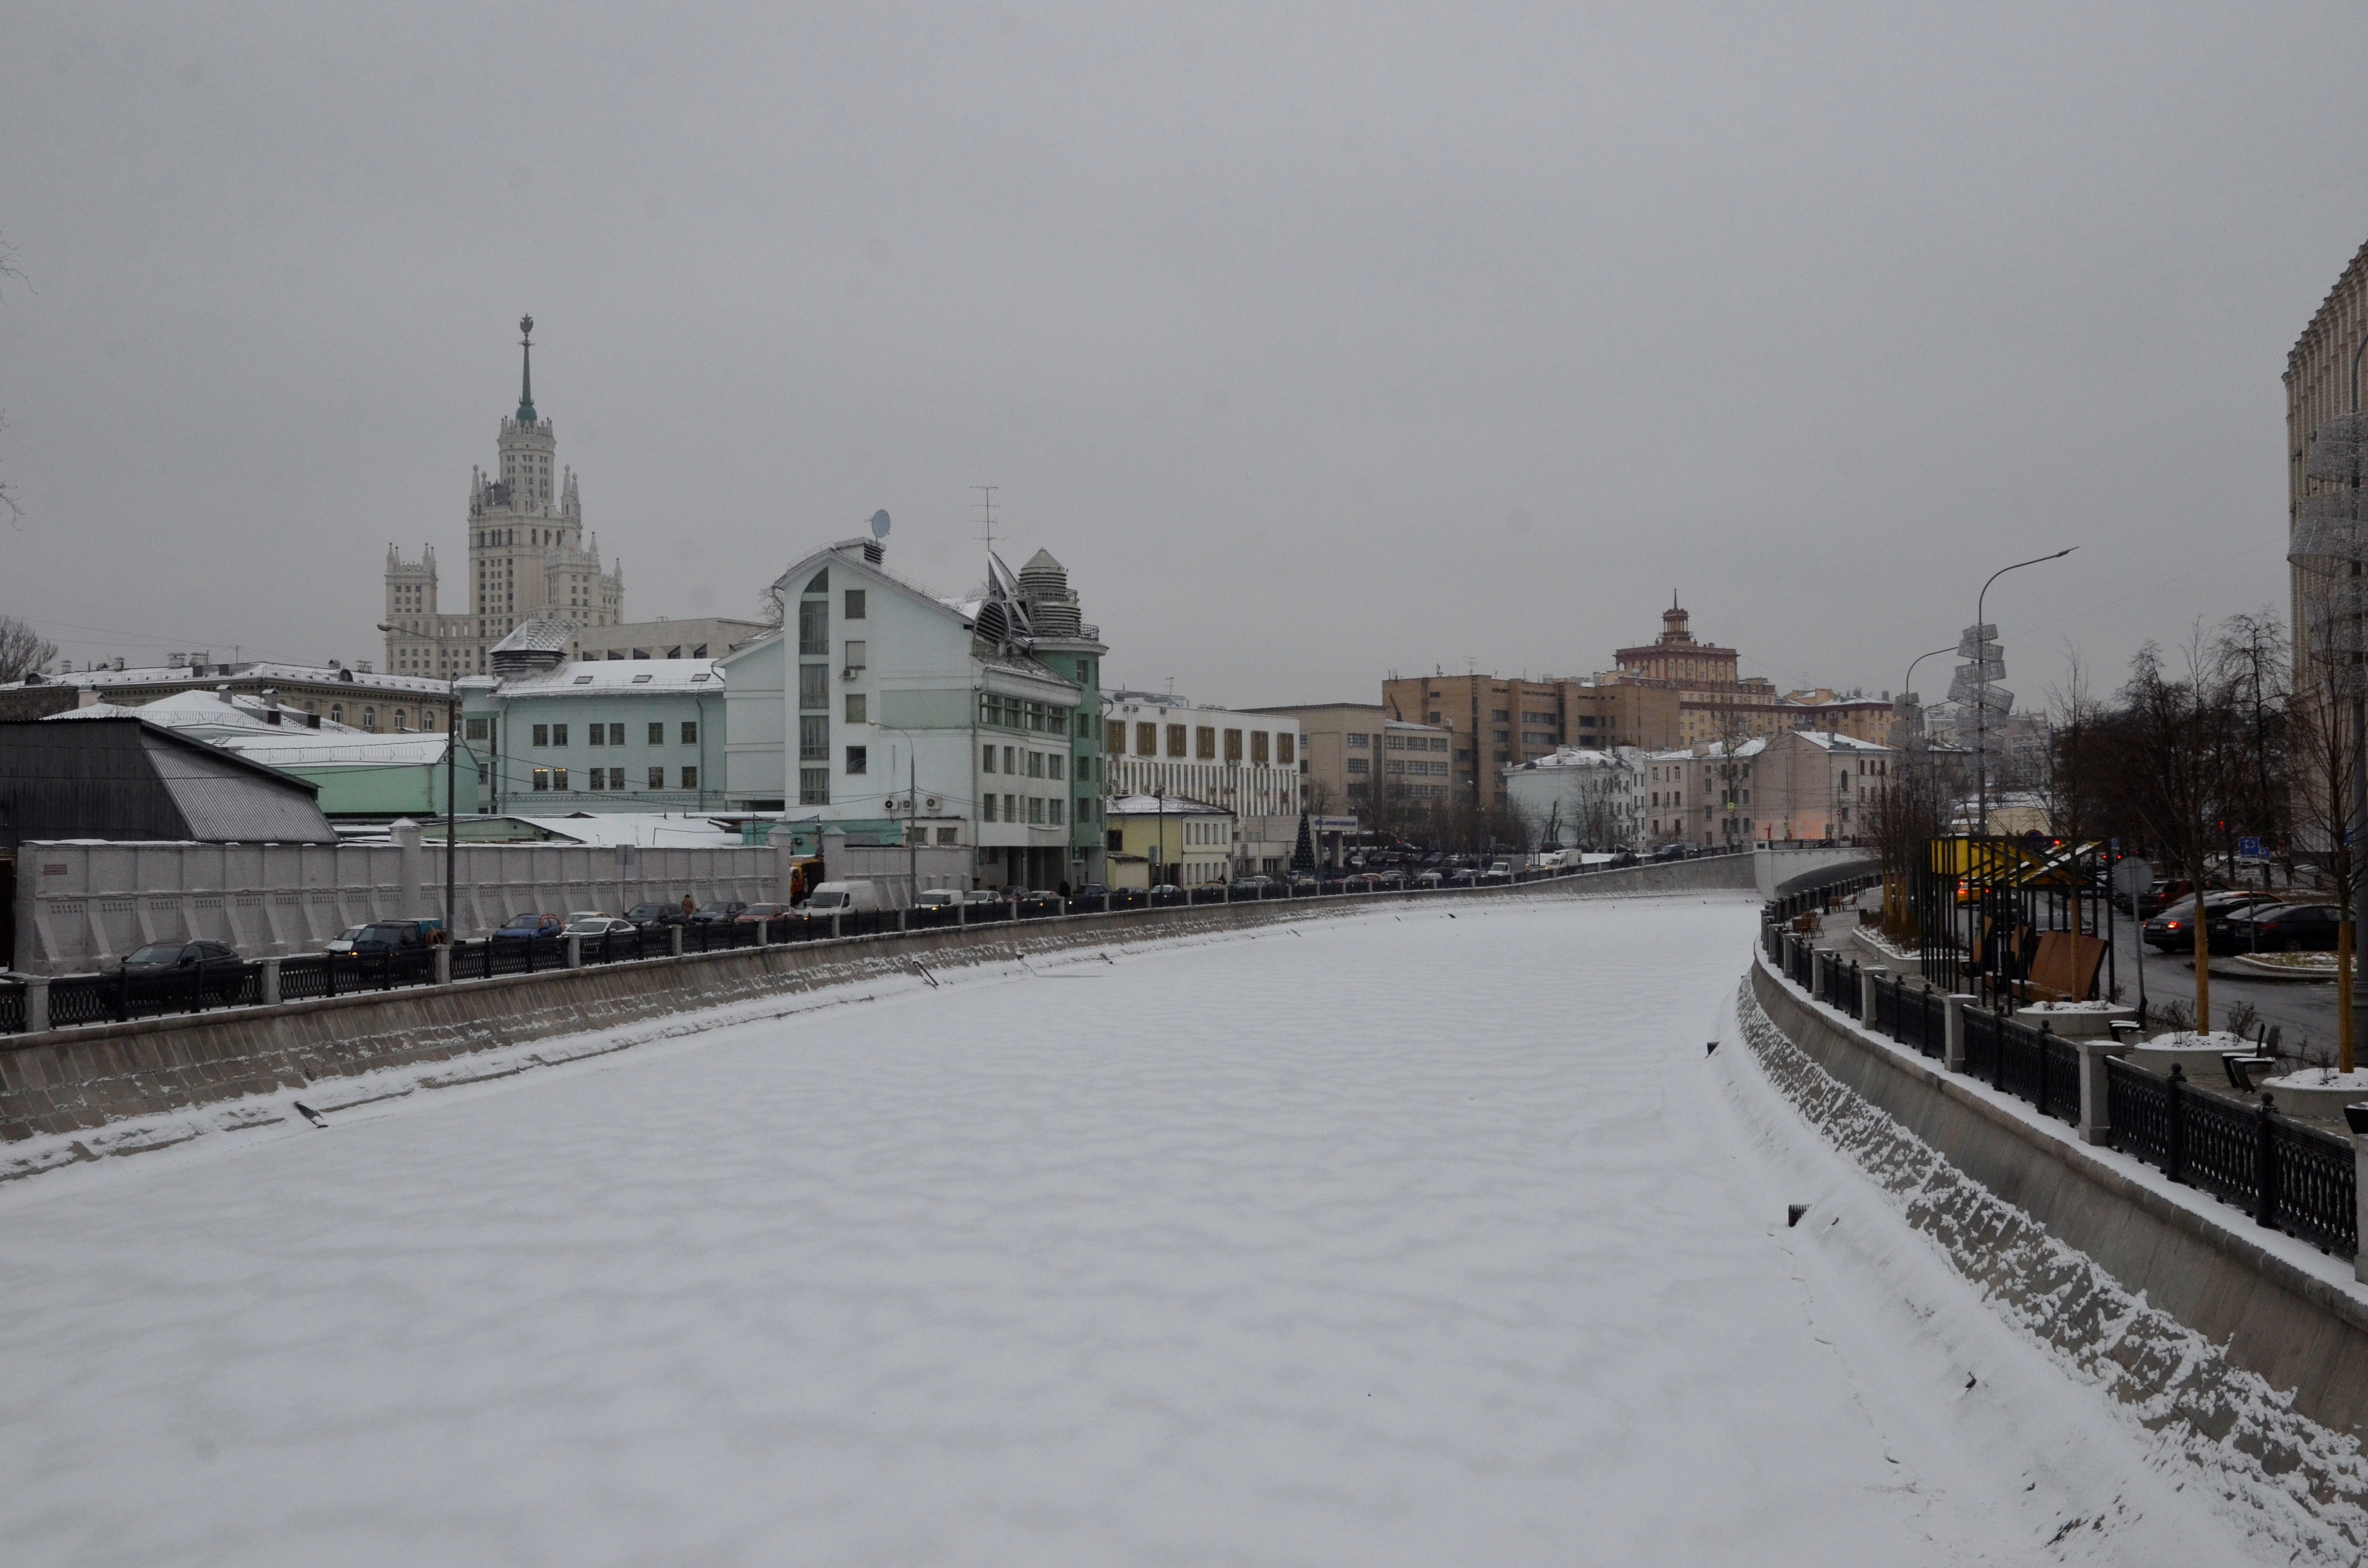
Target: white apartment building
1158	743
1582	798
975	719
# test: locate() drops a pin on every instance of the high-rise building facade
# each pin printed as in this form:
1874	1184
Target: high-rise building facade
2320	370
528	556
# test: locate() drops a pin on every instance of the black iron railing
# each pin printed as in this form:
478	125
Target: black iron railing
2287	1175
12	1007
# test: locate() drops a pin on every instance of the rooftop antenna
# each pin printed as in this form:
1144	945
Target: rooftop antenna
986	504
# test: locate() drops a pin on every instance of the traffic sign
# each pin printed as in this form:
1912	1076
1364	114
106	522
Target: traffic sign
2248	849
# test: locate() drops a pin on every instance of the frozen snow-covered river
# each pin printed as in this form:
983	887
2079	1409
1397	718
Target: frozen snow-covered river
1395	1240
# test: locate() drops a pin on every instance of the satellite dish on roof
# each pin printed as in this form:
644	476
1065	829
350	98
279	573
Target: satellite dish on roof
880	525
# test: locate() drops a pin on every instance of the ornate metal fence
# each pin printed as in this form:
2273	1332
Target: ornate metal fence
2289	1175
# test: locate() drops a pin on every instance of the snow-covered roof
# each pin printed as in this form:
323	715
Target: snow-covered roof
1153	805
539	635
290	747
214	674
1828	740
645	829
1575	756
606	677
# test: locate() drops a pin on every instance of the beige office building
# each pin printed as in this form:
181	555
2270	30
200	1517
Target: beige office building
1158	743
1352	754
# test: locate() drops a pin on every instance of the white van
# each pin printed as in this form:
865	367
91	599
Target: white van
938	897
858	897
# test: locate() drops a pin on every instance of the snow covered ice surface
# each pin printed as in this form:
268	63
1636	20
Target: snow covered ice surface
1398	1238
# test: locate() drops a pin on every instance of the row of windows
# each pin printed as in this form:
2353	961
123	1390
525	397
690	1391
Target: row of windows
1033	763
1030	809
593	734
1199	742
1014	713
610	779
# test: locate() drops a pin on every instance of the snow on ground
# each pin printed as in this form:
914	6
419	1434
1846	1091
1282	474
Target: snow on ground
1402	1238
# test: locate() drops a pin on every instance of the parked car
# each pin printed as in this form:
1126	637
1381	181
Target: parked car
528	926
978	898
2173	930
396	937
1429	879
652	916
1672	852
1496	876
938	898
1166	889
216	966
598	926
343	942
1095	891
1040	901
1462	877
723	912
2282	928
756	914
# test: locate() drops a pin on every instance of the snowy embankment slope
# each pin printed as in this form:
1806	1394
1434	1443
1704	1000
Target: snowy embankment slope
1403	1239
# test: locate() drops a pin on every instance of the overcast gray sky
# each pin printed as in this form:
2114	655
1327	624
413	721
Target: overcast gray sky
1318	341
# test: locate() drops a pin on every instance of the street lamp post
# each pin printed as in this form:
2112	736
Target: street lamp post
1982	704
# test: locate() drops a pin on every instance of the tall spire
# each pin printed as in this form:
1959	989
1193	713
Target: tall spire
526	370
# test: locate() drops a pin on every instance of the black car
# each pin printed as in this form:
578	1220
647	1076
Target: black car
215	966
1094	891
393	937
2280	929
2173	930
1040	901
530	928
723	912
655	916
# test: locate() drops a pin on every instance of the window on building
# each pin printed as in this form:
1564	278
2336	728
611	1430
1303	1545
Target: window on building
986	759
1035	764
1233	746
1035	715
657	777
1036	810
690	779
949	836
1085	808
369	718
814	628
542	778
1010	760
859	708
854	610
559	734
1053	768
855	655
658	734
858	759
600	778
1359	765
1432	717
1204	743
596	734
988	814
1501	717
1176	740
559	778
690	732
814	738
1286	749
814	786
1357	741
542	734
1056	721
1395	765
1146	740
813	689
1011	808
1052	813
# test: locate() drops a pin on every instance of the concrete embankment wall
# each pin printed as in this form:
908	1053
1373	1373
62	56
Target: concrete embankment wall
2270	1315
71	1081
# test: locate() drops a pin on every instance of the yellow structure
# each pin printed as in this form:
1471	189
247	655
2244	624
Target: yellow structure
1154	840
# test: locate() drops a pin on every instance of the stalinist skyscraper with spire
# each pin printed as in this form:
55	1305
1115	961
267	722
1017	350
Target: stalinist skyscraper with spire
529	557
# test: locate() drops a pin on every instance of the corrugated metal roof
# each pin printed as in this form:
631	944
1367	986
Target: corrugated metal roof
222	799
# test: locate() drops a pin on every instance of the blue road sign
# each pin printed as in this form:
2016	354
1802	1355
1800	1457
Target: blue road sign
2248	848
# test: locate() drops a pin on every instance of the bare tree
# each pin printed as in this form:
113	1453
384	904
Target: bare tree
2178	730
22	648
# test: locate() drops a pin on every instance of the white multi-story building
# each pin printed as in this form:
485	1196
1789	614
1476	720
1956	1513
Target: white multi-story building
1582	798
1158	743
975	720
528	560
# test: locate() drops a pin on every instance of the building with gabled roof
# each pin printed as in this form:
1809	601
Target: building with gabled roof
974	718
